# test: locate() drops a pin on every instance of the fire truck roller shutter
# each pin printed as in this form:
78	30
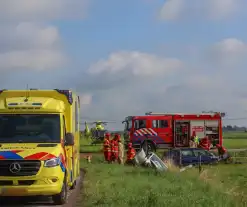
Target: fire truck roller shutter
198	126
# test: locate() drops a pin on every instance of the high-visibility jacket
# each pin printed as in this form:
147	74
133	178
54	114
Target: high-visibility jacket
196	139
221	150
114	146
107	145
131	153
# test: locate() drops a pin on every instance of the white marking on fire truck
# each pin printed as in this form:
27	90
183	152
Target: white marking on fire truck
138	132
143	131
146	131
153	131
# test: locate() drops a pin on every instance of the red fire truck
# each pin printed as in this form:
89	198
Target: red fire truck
171	130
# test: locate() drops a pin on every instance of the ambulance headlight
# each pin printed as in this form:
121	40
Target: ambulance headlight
52	162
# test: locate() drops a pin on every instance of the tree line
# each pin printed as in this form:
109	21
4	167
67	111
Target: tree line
234	128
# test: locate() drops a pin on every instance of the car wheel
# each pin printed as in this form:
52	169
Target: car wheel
62	197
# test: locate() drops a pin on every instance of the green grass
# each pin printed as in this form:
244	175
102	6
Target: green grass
235	143
115	185
86	146
235	135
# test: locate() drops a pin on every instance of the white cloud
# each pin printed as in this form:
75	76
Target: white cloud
212	9
132	83
220	9
85	99
36	10
31	60
172	9
30	46
27	41
137	63
230	52
28	35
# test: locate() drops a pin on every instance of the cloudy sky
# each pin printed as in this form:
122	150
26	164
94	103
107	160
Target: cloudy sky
129	57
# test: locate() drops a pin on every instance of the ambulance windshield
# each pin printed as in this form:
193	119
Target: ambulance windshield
29	128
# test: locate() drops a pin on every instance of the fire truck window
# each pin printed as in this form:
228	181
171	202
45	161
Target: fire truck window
155	124
163	123
160	124
140	124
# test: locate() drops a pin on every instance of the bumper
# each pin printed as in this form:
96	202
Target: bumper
42	187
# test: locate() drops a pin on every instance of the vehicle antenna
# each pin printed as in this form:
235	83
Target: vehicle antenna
27	94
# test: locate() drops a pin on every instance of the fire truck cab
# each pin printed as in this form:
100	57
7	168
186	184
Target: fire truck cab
172	130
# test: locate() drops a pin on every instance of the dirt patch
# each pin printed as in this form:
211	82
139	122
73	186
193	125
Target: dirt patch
74	196
80	195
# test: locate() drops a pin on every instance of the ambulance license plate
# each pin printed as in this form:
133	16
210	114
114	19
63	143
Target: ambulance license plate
12	191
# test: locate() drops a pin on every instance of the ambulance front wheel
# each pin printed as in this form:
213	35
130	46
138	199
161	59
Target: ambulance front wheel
62	197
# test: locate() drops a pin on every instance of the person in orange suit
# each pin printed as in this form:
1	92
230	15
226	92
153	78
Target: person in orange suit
114	148
223	154
107	147
131	153
120	150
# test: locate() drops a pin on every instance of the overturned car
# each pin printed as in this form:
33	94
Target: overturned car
149	159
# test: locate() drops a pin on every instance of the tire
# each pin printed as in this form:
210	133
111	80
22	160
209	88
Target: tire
62	197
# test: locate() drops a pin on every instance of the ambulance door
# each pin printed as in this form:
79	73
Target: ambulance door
163	127
69	158
76	150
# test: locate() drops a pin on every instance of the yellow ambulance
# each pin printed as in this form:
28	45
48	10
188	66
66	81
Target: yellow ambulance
39	143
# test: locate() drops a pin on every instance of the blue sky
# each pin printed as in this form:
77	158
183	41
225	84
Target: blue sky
129	57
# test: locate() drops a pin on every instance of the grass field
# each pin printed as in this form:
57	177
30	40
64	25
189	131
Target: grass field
87	147
114	185
235	143
235	135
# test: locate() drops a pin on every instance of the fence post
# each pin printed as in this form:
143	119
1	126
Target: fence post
200	164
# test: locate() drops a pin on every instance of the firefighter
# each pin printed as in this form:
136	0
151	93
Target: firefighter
205	143
114	149
131	153
120	149
107	147
196	139
223	154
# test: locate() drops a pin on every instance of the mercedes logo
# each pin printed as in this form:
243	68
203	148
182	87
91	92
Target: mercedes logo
15	167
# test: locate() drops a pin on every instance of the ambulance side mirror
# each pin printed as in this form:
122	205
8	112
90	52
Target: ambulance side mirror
69	140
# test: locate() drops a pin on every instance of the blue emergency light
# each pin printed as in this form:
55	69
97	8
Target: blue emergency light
13	104
67	93
37	104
